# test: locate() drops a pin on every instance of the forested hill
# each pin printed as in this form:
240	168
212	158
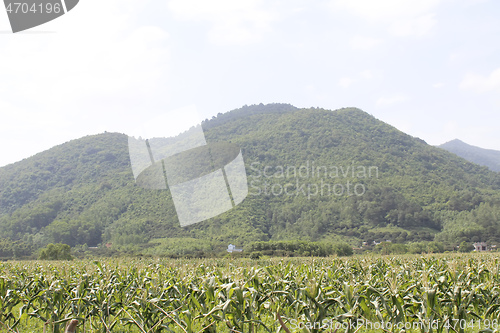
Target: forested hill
374	183
481	156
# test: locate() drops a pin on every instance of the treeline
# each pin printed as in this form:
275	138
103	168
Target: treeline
301	248
14	249
421	247
411	248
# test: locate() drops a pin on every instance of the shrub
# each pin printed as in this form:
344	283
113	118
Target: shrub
465	247
255	255
342	249
56	252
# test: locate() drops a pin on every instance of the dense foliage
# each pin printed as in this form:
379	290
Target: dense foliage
301	248
350	178
56	252
457	293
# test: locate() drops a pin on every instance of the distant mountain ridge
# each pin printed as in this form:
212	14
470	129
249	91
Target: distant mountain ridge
486	157
83	193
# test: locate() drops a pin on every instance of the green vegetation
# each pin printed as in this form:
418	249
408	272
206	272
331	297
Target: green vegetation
465	247
412	248
448	293
56	252
82	193
301	248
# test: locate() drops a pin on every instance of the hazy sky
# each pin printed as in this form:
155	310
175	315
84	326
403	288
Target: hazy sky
155	67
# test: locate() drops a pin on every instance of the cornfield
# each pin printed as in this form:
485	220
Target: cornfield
447	293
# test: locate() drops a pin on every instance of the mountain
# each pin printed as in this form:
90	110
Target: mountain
313	174
486	157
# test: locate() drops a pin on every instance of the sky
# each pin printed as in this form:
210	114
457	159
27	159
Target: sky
154	68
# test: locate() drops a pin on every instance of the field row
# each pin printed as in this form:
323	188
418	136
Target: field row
447	293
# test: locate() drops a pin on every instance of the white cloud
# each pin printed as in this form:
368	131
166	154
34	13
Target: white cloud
457	58
474	2
96	72
233	22
451	129
367	74
387	9
400	123
403	17
482	84
438	85
390	100
83	65
4	21
364	43
418	26
346	82
477	135
157	126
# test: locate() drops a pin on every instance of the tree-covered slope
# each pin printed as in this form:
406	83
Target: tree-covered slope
346	175
481	156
